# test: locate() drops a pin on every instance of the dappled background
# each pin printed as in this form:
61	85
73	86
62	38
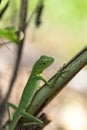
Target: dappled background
62	33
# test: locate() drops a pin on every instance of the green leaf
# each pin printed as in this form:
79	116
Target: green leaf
10	34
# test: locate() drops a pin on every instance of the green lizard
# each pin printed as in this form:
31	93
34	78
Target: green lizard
29	91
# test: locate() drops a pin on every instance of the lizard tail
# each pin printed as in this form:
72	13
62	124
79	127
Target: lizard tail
14	121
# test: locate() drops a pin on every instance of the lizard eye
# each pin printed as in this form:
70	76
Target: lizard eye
43	63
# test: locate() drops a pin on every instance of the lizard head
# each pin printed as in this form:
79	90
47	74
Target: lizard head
42	63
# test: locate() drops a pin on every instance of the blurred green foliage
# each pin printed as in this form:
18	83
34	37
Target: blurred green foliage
67	10
63	10
10	34
64	22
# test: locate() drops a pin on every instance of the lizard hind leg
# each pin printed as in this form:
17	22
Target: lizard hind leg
12	106
30	124
35	120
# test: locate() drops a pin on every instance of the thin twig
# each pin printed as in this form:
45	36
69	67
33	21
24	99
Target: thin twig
33	13
4	9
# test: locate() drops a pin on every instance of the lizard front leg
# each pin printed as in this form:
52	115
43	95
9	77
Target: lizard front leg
43	79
